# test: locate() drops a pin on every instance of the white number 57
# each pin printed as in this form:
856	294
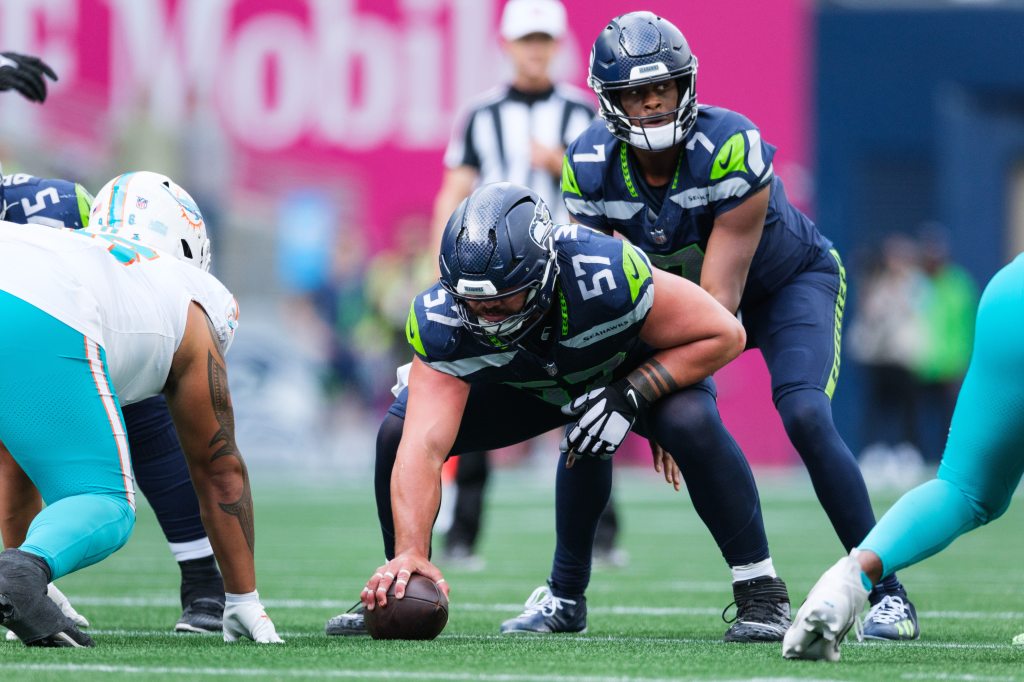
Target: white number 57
603	275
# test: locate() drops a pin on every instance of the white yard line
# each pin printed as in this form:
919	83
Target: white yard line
334	673
591	639
666	611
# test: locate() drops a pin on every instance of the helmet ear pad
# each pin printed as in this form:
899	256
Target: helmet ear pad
498	243
637	49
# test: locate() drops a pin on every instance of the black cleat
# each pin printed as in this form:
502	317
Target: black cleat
762	611
25	607
545	613
352	622
203	615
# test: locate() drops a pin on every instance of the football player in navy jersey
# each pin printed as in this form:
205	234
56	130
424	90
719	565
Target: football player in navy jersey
54	203
558	326
157	459
694	188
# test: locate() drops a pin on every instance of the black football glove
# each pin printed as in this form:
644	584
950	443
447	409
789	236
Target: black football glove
25	74
605	417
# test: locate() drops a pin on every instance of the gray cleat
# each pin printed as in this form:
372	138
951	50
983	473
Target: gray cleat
202	615
25	607
352	622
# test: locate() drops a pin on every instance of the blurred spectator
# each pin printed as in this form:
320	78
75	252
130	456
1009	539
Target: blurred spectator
396	275
140	141
359	341
948	308
887	336
207	159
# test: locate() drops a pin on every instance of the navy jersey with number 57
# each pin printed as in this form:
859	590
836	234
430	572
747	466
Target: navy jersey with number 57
54	203
603	295
723	163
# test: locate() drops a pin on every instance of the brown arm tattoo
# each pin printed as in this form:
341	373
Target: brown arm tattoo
224	441
652	380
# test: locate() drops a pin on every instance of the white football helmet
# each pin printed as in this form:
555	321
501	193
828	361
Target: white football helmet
153	209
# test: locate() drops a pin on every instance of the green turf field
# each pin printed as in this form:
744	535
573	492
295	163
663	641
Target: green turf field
657	619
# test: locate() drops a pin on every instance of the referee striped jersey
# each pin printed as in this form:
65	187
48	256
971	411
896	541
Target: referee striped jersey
499	125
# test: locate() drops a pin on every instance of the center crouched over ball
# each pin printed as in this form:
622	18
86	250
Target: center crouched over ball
421	614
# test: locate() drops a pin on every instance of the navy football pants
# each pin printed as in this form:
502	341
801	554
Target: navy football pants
720	483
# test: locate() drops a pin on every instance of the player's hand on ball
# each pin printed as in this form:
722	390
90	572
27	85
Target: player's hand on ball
398	571
245	617
605	417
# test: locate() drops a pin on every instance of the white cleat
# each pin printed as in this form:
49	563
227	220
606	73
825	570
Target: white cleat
831	609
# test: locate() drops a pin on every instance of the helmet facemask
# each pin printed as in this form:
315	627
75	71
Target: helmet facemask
639	49
531	267
630	129
512	329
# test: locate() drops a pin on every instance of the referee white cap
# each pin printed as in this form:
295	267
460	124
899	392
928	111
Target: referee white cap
523	17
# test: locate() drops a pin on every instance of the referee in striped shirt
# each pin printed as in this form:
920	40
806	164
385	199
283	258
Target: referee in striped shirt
516	132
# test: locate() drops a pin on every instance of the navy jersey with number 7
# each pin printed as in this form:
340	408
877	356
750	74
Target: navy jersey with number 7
723	163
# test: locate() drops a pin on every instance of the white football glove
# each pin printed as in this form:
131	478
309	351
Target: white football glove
605	417
58	598
244	616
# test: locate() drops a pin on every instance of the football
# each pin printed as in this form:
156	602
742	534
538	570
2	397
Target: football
421	614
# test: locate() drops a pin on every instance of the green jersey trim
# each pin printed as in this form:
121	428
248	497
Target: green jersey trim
412	331
635	268
730	157
84	202
569	184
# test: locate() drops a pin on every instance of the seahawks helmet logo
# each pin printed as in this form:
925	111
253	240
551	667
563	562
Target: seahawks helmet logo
541	226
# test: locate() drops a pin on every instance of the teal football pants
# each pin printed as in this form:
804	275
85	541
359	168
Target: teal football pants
60	419
984	456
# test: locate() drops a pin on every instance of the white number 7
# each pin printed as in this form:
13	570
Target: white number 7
602	275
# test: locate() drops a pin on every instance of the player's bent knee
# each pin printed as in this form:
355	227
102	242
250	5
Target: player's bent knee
805	412
685	416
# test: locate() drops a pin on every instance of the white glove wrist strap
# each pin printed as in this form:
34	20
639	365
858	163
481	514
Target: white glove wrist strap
247	598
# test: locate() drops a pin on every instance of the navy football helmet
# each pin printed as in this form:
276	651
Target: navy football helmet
637	49
498	243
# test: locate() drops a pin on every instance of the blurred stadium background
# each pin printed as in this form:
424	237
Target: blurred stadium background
311	134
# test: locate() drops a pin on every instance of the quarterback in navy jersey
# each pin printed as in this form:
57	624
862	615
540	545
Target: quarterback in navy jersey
534	326
695	188
157	459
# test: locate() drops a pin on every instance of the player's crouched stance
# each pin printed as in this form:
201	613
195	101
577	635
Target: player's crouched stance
532	327
89	321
